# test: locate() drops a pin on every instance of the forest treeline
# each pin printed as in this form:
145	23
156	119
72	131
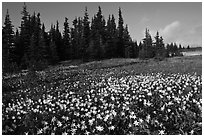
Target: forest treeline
31	47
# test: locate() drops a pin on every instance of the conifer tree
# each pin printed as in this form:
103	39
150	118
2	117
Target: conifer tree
58	42
66	41
74	40
86	36
18	46
46	42
147	49
53	58
25	35
8	45
98	38
127	42
42	47
108	46
180	47
159	46
120	43
8	37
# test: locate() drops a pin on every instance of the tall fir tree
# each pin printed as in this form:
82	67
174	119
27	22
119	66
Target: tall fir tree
66	42
46	42
9	37
111	38
17	48
147	50
86	36
120	43
24	36
97	47
53	58
159	49
58	42
8	45
74	40
127	42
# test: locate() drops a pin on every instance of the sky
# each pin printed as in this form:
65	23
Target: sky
179	22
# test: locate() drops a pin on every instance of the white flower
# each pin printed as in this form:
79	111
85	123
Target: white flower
136	123
94	112
122	113
59	123
112	98
40	131
169	110
149	94
192	131
162	108
53	119
99	128
140	120
73	131
106	117
168	88
111	128
134	117
91	121
161	132
98	116
114	113
148	118
44	123
87	133
64	133
83	127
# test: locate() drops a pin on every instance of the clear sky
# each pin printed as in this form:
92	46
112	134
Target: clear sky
176	22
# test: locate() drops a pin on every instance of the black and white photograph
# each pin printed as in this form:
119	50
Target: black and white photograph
101	68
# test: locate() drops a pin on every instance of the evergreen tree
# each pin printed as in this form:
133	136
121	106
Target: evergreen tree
120	43
159	47
157	44
32	54
180	47
58	42
140	46
74	40
17	50
66	41
42	47
171	49
8	45
86	36
79	37
134	50
24	36
175	49
147	50
167	50
45	41
98	38
53	52
111	37
127	42
5	53
8	37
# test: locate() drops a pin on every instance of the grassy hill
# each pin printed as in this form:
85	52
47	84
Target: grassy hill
115	96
